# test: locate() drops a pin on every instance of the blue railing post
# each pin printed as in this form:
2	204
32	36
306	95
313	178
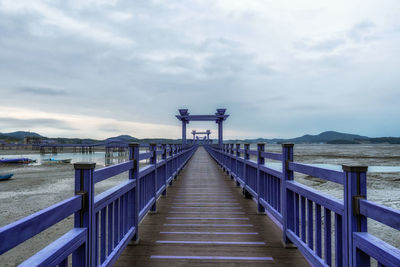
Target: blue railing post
260	162
134	201
287	198
232	166
355	188
164	157
84	186
245	178
172	160
223	157
237	160
178	159
153	160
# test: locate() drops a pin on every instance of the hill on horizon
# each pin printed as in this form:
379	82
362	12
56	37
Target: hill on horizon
327	137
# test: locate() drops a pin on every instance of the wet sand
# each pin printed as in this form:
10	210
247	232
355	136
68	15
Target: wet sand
35	187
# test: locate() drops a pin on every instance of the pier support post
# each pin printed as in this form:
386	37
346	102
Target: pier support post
184	132
246	158
260	162
287	197
355	188
153	160
134	196
220	134
84	186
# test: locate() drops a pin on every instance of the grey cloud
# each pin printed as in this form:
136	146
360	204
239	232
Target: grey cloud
358	33
126	84
361	31
42	91
7	122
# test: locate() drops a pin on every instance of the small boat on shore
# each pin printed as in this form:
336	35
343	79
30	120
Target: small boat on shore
17	161
57	161
6	176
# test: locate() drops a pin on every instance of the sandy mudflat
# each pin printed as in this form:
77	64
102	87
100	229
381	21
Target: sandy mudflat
35	187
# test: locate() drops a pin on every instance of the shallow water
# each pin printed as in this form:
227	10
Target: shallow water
96	157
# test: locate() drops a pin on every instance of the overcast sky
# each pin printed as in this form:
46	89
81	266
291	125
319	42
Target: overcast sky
285	68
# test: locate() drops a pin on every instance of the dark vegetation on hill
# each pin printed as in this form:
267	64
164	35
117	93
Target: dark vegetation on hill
328	137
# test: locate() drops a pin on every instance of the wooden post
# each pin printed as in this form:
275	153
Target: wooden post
153	160
246	158
355	188
225	162
84	186
237	160
171	162
287	198
231	162
260	162
164	157
134	198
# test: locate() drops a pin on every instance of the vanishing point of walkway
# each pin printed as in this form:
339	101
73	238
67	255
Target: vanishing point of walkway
205	221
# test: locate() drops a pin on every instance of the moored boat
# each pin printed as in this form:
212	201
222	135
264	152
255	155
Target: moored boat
6	176
17	160
57	161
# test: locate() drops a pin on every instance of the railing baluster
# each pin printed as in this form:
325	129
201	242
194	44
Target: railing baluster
121	217
338	240
110	228
64	263
303	219
103	236
318	236
310	224
96	240
327	237
116	222
297	215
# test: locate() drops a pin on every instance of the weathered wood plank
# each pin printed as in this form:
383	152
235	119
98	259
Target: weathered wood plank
218	228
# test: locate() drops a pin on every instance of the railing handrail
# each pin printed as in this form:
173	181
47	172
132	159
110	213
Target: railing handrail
90	209
286	202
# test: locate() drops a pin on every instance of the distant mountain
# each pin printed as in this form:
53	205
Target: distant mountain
125	138
21	134
328	137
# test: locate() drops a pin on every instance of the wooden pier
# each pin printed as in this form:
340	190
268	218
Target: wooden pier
205	206
205	221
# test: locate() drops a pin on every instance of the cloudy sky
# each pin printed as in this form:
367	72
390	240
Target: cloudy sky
98	68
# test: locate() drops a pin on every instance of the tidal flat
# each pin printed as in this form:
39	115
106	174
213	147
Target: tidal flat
36	186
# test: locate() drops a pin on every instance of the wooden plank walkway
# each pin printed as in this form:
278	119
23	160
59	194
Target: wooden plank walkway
205	221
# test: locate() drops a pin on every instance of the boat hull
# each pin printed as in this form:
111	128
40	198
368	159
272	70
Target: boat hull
17	161
6	176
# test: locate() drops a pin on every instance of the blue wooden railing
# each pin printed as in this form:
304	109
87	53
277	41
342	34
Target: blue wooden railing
104	224
304	213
